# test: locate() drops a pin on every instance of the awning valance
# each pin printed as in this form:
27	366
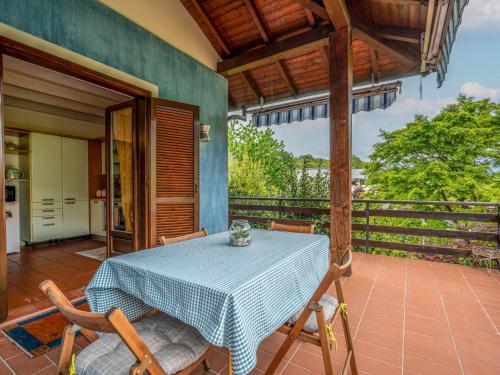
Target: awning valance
366	99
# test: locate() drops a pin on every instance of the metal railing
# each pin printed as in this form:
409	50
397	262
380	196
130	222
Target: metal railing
457	228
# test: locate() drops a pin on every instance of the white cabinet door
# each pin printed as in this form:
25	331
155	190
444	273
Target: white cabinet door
97	217
75	218
46	171
75	171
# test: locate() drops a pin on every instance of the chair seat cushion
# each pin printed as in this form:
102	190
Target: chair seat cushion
174	344
330	305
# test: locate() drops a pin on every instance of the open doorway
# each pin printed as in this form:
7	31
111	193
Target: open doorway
57	186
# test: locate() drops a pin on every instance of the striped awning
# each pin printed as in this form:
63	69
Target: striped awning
366	99
449	38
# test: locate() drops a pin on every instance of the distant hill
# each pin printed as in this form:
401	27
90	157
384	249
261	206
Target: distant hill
312	162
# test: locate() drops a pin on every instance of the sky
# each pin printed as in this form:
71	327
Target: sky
474	70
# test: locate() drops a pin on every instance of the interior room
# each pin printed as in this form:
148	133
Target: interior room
55	170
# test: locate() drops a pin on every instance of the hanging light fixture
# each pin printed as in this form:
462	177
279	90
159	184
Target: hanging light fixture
204	133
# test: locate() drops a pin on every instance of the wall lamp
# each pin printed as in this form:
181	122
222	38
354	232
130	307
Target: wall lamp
204	133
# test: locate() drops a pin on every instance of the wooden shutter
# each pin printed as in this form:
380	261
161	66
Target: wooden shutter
175	135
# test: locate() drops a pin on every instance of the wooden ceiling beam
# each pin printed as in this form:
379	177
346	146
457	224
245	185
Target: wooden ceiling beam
338	13
254	13
213	30
286	77
399	34
273	52
392	49
250	84
315	8
374	63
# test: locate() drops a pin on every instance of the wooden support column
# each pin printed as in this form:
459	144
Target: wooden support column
340	82
3	244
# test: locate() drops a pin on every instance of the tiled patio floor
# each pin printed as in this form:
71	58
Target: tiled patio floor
58	262
407	317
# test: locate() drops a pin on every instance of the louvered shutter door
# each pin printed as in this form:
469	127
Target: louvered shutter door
176	154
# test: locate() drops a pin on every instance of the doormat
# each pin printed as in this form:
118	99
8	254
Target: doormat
98	254
41	333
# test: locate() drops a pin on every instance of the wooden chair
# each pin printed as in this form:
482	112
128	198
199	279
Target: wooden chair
292	228
167	241
115	322
313	323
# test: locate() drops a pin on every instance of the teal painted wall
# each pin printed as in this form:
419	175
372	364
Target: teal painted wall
94	30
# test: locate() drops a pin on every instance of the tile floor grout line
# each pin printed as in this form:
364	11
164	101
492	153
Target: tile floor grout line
7	365
449	325
39	371
368	300
404	318
479	301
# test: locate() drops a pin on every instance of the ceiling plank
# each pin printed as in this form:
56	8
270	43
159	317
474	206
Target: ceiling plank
286	77
206	19
252	8
326	57
250	84
338	12
272	52
57	101
399	34
374	63
392	49
52	110
314	8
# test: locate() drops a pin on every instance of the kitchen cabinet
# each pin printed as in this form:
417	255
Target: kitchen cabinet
75	183
75	218
45	168
58	189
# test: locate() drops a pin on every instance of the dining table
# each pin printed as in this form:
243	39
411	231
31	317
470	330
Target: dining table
234	296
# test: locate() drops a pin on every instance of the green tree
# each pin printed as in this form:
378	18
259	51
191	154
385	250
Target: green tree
251	145
452	156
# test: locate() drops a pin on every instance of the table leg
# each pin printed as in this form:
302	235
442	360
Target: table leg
230	372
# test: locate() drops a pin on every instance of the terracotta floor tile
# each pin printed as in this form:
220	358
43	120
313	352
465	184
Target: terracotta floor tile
420	366
391	356
22	364
4	370
8	349
372	366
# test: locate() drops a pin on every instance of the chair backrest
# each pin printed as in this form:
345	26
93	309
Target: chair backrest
114	321
292	228
85	319
170	240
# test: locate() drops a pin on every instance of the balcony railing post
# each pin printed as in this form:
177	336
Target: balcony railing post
367	226
280	212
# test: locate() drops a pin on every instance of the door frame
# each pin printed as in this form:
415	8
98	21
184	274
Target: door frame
35	56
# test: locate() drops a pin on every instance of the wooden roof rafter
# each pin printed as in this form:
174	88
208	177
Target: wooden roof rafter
286	77
257	19
315	8
245	76
375	67
215	33
392	49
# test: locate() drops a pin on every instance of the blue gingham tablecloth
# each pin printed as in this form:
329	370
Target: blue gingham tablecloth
234	296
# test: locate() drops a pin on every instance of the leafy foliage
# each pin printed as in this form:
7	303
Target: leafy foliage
250	148
449	157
